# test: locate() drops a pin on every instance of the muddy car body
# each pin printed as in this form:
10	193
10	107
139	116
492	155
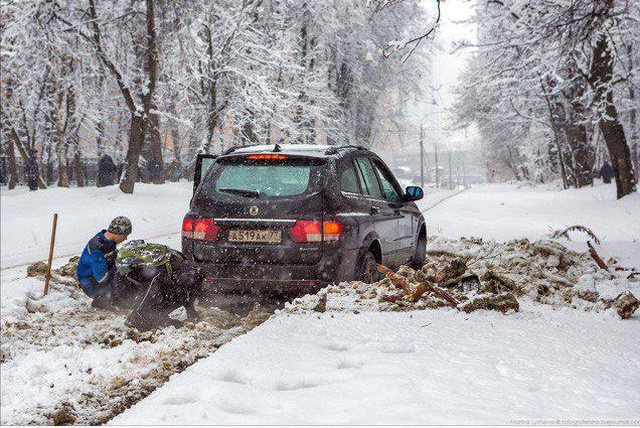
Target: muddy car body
293	218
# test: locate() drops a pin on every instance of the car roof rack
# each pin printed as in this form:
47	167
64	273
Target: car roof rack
335	149
276	148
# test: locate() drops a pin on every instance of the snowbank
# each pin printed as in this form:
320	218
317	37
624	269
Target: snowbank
427	367
26	217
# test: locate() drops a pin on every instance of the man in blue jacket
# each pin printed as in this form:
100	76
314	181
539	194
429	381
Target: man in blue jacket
97	265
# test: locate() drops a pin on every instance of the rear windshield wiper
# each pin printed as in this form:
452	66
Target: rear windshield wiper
242	192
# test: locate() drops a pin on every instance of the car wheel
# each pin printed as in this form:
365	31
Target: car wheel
369	271
420	252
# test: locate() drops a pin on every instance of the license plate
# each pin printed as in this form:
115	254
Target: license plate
255	236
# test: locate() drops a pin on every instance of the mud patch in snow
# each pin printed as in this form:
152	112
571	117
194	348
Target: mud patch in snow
65	362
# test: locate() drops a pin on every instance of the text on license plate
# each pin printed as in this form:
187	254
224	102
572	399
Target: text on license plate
255	235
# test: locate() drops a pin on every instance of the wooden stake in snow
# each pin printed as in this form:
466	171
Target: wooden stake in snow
53	241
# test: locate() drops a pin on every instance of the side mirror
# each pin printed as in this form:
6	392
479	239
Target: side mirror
413	193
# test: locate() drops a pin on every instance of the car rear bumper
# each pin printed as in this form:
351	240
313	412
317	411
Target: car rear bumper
334	266
259	279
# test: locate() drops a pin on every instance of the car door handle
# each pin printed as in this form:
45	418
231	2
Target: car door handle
375	210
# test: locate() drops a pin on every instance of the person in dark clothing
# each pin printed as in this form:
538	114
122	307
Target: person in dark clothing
32	171
175	171
163	290
97	265
155	170
2	170
606	172
106	172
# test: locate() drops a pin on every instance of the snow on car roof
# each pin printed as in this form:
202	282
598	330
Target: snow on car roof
284	148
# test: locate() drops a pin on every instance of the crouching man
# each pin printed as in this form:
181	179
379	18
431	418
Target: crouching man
157	280
97	265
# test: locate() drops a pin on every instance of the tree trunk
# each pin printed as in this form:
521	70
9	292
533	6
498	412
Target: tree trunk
77	158
139	120
99	139
61	151
212	116
575	127
582	153
62	146
13	169
556	136
632	118
136	141
156	143
48	167
612	130
23	154
77	163
248	135
175	140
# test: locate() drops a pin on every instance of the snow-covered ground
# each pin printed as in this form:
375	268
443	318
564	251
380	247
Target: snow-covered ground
543	364
26	217
423	367
58	354
429	366
511	211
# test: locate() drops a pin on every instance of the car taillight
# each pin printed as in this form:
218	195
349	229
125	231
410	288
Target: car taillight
201	229
312	231
267	156
332	230
187	228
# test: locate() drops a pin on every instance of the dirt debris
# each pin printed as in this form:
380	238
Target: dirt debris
322	303
64	415
503	302
69	269
37	269
626	305
492	283
488	275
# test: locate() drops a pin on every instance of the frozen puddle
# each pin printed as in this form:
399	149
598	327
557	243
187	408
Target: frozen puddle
64	362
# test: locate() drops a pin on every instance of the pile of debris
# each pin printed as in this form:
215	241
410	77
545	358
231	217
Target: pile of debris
472	274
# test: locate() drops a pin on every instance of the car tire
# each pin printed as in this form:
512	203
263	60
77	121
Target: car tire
417	261
369	271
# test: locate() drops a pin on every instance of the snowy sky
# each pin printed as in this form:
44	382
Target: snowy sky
448	64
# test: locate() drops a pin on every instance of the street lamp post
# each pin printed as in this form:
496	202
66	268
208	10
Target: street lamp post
437	171
450	176
421	157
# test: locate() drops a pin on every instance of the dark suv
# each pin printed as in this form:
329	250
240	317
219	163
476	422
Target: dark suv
296	217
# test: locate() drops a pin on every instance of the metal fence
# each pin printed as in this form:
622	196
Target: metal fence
49	172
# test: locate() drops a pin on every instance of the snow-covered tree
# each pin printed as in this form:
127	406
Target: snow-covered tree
93	77
551	76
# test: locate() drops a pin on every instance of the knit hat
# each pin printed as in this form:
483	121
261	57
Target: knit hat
120	226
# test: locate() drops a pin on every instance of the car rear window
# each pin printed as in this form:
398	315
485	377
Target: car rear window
280	178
